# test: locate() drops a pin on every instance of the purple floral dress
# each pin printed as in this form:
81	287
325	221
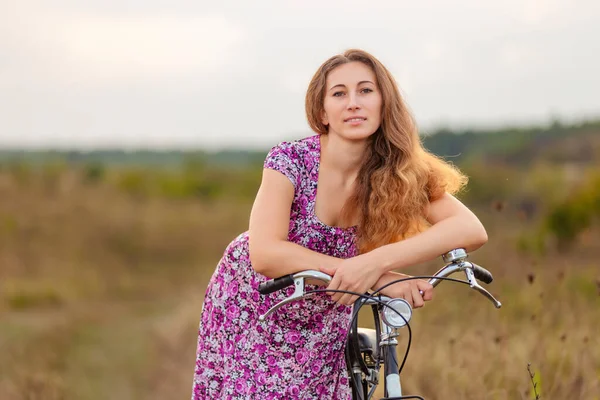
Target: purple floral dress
298	352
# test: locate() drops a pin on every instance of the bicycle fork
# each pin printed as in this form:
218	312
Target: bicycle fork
391	385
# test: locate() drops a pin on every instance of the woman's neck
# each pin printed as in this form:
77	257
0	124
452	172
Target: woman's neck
343	156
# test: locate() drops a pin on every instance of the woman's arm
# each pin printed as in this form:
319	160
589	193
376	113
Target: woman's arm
453	226
271	253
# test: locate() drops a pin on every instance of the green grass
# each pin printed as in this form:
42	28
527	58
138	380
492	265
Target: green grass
101	293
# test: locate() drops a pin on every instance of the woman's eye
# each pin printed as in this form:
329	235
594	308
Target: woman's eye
367	90
338	94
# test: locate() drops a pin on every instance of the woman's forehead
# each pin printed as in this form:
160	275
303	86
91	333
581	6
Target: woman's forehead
350	73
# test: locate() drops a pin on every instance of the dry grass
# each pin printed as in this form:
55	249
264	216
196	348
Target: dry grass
101	293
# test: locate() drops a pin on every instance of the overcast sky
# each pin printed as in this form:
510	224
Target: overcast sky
198	73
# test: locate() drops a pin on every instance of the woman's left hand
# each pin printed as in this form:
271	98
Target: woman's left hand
357	274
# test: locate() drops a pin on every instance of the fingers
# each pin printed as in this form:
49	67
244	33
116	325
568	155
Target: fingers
347	299
343	298
417	299
338	284
416	293
345	281
334	285
426	288
407	295
339	297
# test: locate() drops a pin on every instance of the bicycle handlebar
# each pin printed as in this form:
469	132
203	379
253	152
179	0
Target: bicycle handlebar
273	285
482	274
456	262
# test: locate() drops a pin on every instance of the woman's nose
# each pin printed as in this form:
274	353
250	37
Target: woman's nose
353	102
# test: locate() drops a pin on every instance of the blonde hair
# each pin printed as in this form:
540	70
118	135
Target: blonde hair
398	177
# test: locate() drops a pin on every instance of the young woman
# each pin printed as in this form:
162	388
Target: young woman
359	199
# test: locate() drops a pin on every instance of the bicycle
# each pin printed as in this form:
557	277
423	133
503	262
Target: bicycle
367	349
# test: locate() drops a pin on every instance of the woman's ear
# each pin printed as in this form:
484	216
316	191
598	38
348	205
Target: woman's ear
324	119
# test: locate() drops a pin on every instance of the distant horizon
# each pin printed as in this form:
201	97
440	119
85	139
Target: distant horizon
262	145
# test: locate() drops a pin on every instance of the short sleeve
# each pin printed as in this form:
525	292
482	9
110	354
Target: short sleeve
284	158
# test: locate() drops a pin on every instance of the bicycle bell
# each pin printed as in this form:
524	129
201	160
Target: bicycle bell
456	255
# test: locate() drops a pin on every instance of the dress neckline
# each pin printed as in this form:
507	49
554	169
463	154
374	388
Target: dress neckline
317	149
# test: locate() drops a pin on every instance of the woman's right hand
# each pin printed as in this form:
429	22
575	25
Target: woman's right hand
329	266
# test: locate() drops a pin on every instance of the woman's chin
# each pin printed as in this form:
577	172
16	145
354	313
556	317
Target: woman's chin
358	133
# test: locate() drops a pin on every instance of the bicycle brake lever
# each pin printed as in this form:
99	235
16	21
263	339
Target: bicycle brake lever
475	285
299	289
298	292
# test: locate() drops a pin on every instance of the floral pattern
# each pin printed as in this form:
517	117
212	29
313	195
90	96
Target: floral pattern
298	352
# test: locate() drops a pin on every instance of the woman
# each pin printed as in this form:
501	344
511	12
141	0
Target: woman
353	201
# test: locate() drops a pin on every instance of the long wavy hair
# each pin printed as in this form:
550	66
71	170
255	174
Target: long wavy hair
398	176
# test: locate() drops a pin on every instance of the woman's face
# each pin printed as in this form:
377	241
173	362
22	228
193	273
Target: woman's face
352	105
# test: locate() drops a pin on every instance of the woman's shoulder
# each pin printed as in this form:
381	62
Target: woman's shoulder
300	146
298	150
294	158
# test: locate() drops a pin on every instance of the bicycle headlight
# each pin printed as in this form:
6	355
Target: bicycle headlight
394	307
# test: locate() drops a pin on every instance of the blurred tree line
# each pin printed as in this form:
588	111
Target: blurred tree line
556	143
548	175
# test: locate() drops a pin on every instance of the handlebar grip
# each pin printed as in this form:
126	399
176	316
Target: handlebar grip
276	284
482	274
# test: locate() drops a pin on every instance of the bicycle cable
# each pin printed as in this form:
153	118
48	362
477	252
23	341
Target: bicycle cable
362	298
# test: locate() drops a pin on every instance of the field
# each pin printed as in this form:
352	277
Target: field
103	272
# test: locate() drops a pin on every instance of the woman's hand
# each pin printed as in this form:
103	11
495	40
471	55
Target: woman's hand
357	274
410	291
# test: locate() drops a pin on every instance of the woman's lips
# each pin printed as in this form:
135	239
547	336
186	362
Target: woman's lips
355	121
